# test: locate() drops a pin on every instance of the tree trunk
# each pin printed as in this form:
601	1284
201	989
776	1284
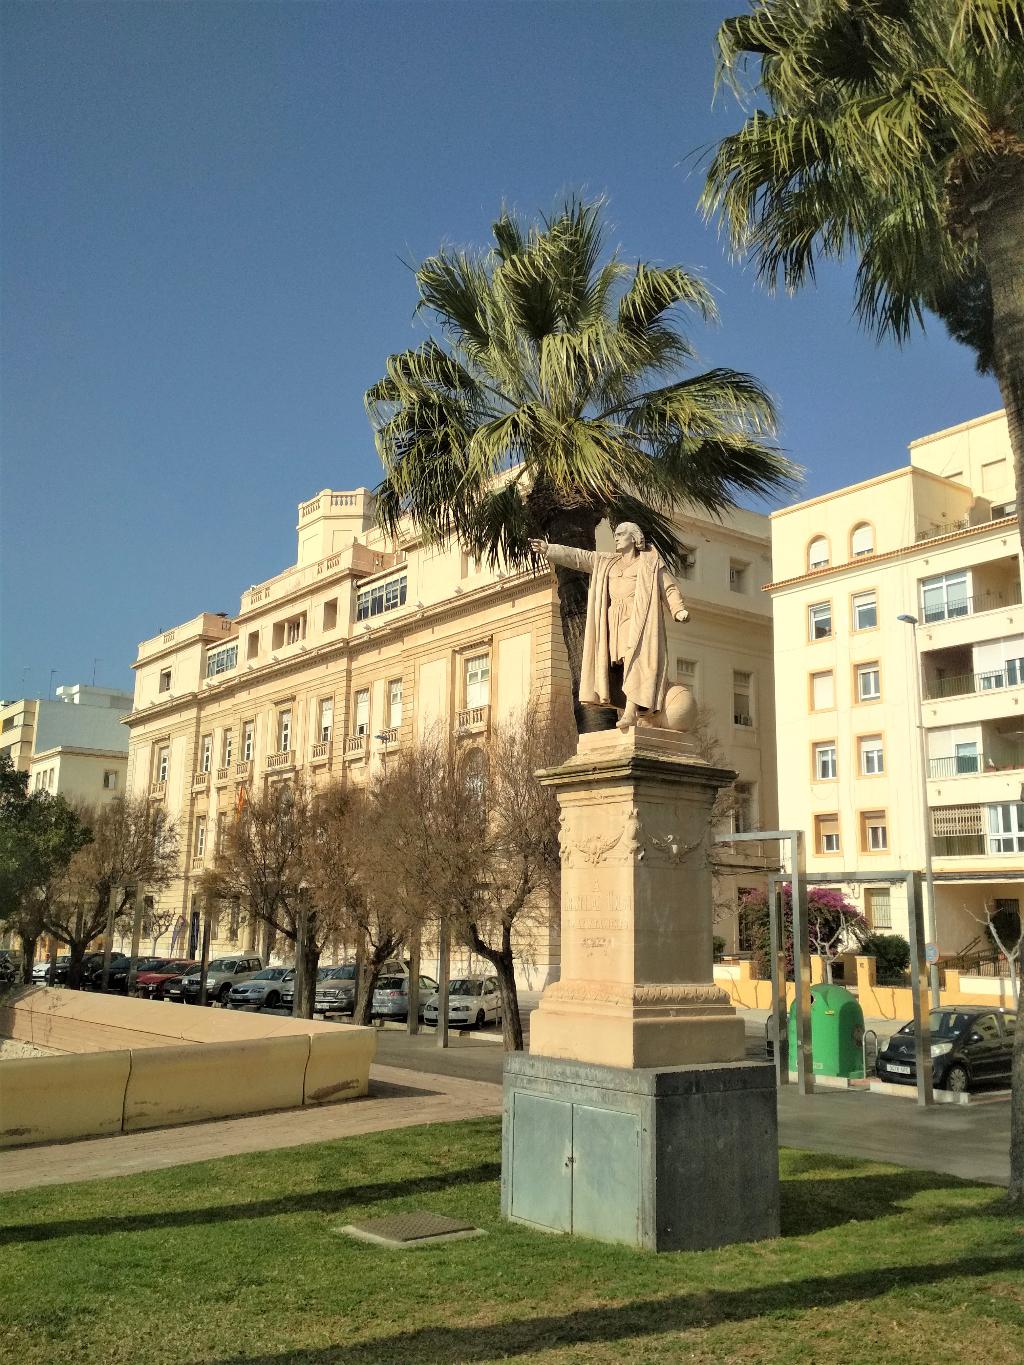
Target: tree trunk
503	962
28	956
368	965
579	531
310	966
76	952
1000	228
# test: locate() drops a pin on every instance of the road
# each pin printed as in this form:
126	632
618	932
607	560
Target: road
971	1141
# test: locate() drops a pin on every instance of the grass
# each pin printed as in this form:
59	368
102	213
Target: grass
235	1261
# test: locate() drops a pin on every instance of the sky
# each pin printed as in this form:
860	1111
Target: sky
210	214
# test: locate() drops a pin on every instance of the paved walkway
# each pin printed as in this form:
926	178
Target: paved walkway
398	1098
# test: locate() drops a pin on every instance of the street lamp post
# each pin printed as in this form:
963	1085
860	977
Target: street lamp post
933	970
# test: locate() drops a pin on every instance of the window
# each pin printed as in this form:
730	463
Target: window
295	629
874	836
743	808
872	756
826	833
686	675
326	719
688	562
820	619
825	761
738	576
381	597
165	680
331	614
471	565
862	540
284	731
478	681
200	844
818	553
1003	509
206	754
110	779
221	660
865	611
394	703
252	647
878	907
966	758
226	747
823	691
1010	675
361	712
163	760
869	686
248	736
944	597
742	690
1006	827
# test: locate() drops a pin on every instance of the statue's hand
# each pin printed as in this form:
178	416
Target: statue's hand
539	547
682	614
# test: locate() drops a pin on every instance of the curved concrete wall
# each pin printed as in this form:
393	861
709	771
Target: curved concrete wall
50	1099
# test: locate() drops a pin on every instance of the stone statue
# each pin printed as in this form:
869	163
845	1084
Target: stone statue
625	649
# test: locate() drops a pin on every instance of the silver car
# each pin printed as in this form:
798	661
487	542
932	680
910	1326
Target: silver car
221	975
471	1000
263	989
391	998
336	989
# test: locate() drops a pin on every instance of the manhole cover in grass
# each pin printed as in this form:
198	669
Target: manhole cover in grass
410	1229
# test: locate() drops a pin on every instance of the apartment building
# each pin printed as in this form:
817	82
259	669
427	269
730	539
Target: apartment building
364	644
865	698
74	745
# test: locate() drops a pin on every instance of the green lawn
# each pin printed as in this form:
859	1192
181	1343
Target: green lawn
235	1260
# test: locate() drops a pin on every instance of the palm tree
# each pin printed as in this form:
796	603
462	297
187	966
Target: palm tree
529	413
894	133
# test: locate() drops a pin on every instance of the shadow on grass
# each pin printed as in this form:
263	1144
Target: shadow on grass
642	1318
319	1201
816	1204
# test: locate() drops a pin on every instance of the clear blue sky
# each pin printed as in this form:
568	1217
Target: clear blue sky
207	211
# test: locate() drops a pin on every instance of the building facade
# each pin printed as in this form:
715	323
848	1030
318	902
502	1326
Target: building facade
870	707
74	746
365	644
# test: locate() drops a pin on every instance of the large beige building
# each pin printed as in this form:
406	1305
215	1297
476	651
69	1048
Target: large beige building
364	644
936	540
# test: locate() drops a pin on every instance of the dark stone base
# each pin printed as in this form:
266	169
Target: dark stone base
675	1159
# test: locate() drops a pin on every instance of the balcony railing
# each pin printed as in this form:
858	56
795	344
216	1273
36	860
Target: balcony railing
198	862
944	528
964	684
158	790
243	768
285	759
958	845
200	782
225	774
963	765
356	747
388	739
321	751
956	607
473	720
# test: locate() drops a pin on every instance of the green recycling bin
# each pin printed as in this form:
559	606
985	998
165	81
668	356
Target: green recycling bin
837	1033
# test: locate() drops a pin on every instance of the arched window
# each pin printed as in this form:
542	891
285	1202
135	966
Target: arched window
817	553
862	540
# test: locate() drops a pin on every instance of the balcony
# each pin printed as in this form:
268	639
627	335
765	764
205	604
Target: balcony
200	782
473	720
943	528
388	739
956	607
356	748
224	775
968	765
243	769
321	751
958	845
967	684
284	759
158	790
198	862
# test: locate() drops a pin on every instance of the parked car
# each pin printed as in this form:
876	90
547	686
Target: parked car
471	1000
156	982
221	974
336	989
41	970
391	997
971	1046
118	979
92	969
262	989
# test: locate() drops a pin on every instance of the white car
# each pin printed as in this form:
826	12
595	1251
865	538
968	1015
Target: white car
471	1000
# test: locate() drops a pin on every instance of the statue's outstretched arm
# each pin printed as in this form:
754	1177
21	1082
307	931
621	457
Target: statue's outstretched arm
565	555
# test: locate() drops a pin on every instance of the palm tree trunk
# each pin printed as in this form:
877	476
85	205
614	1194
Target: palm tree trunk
1000	233
579	531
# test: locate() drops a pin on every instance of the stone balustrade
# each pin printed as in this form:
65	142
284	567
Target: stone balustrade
286	759
473	720
321	751
356	747
200	782
157	790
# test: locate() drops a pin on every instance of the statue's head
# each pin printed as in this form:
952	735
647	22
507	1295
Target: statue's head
628	533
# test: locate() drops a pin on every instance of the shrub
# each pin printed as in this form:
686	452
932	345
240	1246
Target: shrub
892	954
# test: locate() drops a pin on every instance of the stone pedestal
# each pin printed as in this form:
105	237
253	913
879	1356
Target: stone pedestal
637	985
679	1159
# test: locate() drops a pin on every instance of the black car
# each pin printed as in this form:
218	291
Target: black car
971	1046
118	979
92	969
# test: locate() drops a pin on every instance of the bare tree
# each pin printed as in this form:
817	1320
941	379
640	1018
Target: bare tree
1005	930
134	846
157	921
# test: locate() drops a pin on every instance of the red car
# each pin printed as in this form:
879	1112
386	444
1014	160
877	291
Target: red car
151	984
